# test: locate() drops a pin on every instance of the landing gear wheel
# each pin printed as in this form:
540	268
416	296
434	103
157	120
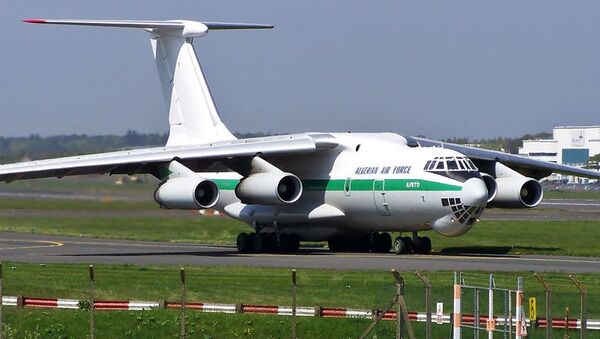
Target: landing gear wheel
336	245
294	243
262	243
422	245
403	245
383	243
284	243
244	243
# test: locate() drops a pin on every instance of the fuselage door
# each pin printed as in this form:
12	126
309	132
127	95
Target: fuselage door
379	197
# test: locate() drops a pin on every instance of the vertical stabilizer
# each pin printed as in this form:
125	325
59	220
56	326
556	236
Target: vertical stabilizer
193	116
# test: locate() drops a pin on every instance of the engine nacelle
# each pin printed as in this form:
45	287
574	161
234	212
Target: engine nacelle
491	185
269	189
517	192
187	193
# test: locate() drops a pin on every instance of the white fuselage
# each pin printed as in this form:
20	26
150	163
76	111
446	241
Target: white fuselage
371	182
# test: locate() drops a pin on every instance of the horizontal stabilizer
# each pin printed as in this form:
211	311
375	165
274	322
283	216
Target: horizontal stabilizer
148	24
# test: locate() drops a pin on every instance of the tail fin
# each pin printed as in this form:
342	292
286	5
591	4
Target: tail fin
193	116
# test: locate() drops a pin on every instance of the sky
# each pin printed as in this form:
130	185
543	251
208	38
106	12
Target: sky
442	69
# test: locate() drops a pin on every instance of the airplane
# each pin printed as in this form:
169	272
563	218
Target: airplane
349	189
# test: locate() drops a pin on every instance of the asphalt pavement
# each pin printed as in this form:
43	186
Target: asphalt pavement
59	249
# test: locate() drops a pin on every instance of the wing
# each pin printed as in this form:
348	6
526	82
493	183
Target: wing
529	167
147	160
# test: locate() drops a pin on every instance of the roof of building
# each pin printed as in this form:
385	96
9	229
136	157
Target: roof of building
577	127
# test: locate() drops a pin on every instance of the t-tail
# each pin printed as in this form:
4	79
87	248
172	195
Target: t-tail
193	116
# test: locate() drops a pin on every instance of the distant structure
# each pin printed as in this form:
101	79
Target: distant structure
570	145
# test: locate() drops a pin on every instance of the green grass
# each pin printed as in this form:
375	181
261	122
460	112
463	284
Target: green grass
86	184
200	229
165	324
577	238
557	194
330	288
106	203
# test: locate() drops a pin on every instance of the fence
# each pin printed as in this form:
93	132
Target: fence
394	305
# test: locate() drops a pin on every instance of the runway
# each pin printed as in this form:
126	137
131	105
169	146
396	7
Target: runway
59	249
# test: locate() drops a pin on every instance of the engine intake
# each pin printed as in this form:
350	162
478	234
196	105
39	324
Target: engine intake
187	193
269	189
517	192
491	185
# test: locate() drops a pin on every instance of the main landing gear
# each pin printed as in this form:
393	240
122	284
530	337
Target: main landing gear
417	245
372	242
267	243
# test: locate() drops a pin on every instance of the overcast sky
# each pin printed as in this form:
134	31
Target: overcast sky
437	68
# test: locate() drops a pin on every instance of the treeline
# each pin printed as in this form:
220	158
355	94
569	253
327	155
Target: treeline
36	147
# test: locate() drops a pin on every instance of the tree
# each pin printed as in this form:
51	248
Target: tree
594	162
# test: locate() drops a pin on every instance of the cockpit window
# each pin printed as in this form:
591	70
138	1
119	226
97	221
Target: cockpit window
450	164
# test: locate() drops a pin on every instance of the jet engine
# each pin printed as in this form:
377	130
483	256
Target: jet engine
187	193
269	189
490	184
517	192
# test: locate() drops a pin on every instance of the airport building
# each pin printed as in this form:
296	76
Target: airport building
570	145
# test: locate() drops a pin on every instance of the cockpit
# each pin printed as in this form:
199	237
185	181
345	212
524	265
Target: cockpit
457	168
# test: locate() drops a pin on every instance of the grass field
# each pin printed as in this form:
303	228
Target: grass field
331	288
559	194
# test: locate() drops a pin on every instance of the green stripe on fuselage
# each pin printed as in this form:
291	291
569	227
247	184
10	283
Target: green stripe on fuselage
358	185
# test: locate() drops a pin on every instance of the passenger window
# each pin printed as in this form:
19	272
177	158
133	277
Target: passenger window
461	165
427	165
440	165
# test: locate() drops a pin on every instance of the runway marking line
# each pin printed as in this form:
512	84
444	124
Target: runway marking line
47	242
67	242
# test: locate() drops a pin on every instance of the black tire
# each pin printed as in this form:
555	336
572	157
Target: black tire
243	243
361	244
384	243
426	245
284	243
272	242
403	245
335	245
294	243
409	245
399	246
261	243
374	242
